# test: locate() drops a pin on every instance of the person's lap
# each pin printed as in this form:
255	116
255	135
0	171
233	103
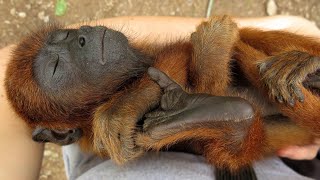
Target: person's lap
162	165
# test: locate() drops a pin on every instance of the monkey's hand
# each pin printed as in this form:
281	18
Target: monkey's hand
285	74
178	107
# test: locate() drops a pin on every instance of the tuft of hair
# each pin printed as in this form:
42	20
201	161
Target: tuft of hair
26	97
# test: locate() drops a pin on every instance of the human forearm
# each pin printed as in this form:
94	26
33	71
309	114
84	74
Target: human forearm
163	29
20	156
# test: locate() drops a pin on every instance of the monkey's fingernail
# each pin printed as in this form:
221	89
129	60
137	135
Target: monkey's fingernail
146	127
291	102
301	99
280	99
262	67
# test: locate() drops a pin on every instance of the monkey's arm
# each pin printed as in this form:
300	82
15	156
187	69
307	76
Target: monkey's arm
232	132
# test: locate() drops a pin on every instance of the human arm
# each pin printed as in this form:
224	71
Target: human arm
20	156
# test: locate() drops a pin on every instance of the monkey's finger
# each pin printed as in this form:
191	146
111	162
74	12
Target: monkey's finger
285	93
266	65
158	117
162	79
297	92
291	101
263	67
160	114
288	97
279	98
152	122
277	95
155	114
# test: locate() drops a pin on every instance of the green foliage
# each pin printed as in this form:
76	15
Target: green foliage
61	8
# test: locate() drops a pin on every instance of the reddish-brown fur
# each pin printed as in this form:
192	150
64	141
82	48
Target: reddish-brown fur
200	66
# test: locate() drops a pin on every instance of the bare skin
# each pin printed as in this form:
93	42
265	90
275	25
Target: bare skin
301	152
18	151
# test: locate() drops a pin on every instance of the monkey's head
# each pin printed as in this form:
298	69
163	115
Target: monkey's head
57	77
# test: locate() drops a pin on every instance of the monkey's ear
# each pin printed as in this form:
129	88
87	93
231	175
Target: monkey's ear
61	137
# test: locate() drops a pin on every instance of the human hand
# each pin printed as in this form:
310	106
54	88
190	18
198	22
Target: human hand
307	152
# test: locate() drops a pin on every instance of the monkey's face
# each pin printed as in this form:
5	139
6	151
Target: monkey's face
58	77
94	56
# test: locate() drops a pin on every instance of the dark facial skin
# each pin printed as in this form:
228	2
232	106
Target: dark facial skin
80	68
88	55
61	137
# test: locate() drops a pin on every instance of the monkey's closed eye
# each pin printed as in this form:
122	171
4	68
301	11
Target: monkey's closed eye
55	66
67	35
59	36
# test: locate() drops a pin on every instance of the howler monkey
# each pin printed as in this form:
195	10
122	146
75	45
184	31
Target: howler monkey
90	85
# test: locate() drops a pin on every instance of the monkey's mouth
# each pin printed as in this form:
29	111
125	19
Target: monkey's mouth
103	60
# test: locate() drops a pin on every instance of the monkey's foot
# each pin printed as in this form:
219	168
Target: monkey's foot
284	74
178	108
217	30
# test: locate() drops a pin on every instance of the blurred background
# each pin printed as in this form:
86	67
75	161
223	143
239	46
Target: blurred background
18	17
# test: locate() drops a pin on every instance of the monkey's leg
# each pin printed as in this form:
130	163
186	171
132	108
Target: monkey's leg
212	43
233	134
232	144
114	124
282	77
227	124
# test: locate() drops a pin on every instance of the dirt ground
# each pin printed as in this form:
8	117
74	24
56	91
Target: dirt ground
18	17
